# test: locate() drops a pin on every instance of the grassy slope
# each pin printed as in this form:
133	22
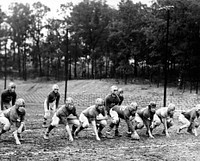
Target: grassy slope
36	91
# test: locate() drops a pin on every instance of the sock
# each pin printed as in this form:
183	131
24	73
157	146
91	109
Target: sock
49	129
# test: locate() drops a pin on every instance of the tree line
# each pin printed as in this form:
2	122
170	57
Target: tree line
93	40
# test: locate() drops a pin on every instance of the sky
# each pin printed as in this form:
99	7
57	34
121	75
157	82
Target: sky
55	4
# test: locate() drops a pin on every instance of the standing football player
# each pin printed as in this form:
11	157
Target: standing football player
51	103
112	99
8	96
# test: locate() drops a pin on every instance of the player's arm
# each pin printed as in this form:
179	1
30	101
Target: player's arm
57	100
148	118
121	100
14	99
75	113
21	121
93	122
47	102
2	101
107	104
68	129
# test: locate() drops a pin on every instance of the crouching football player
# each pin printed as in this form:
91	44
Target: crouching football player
189	119
123	112
145	116
164	115
91	115
14	116
61	116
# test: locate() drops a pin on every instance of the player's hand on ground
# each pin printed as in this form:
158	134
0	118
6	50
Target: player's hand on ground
98	139
18	143
71	139
135	136
151	136
167	135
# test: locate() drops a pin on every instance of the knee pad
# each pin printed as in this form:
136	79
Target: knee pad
169	123
103	123
115	121
6	127
85	125
139	126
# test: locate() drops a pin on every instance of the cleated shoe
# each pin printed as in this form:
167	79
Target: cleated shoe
101	135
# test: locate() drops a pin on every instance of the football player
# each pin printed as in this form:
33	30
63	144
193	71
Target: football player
91	115
145	117
164	115
127	113
112	99
51	103
14	115
61	116
8	96
189	119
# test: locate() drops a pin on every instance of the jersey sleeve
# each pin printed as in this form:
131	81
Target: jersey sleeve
107	103
14	98
75	112
57	100
2	101
22	118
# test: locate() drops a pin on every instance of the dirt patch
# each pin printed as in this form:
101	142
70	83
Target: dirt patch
178	147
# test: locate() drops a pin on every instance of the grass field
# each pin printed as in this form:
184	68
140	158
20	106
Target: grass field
183	147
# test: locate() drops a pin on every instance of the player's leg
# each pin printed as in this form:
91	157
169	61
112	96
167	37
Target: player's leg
139	124
114	120
54	123
184	121
84	123
5	125
101	125
46	113
156	121
196	125
75	124
117	128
